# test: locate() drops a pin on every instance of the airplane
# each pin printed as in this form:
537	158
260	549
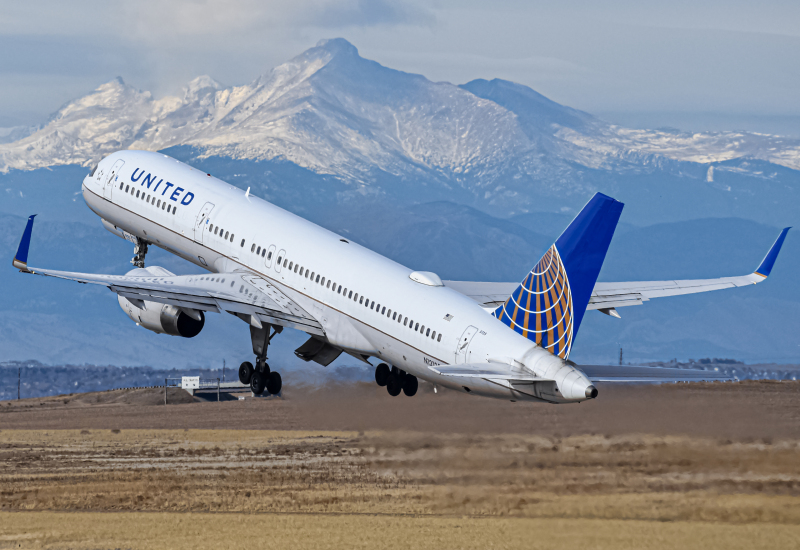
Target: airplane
276	270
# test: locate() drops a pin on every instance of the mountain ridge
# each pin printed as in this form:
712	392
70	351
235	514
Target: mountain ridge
330	111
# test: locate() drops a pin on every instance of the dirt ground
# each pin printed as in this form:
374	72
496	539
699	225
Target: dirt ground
678	466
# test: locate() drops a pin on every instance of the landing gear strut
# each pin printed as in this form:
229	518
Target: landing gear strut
396	380
261	377
139	252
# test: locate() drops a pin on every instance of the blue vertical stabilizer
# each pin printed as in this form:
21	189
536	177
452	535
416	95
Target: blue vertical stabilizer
548	306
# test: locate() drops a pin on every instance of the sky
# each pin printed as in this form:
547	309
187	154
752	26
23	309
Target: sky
635	62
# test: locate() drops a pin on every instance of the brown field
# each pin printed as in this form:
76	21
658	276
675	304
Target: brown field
679	466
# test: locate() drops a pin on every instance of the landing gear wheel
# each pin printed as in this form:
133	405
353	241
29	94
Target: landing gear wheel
393	386
262	367
257	383
274	383
245	372
382	373
410	385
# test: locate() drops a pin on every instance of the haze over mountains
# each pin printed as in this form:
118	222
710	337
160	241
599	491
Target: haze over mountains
471	181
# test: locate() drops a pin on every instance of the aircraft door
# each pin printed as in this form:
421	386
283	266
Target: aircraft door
279	260
201	223
112	178
270	254
463	344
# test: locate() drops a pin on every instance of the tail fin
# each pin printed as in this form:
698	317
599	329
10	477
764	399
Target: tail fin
548	306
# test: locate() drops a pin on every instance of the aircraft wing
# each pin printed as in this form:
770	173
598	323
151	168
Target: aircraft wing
241	293
608	296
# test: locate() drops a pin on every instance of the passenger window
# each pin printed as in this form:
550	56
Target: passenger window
279	260
284	263
296	267
372	306
270	256
355	297
226	235
433	336
312	276
306	275
231	233
349	295
163	205
241	245
263	252
158	205
323	281
216	229
317	279
416	328
383	311
439	339
405	323
127	188
252	247
291	266
340	289
137	193
428	332
360	300
329	285
121	184
394	316
258	250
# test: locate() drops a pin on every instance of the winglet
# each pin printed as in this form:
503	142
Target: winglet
21	258
769	260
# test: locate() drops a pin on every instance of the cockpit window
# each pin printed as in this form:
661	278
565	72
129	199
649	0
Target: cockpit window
94	168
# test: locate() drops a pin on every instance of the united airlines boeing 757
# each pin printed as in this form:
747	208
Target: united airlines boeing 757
274	270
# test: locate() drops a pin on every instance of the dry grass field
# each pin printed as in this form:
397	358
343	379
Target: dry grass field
453	472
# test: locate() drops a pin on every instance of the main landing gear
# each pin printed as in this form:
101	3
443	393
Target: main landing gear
396	380
260	377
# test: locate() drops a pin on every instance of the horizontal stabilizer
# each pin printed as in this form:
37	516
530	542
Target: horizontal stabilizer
622	373
492	371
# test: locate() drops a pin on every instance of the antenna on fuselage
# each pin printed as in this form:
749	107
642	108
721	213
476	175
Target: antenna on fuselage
247	193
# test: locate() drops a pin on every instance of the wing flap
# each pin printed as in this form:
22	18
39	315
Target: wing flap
237	294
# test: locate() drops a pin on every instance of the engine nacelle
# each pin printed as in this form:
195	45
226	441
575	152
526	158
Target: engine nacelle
161	318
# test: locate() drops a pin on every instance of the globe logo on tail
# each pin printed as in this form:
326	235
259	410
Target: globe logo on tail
541	308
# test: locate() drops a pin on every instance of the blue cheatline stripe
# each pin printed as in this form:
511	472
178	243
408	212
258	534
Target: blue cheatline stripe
25	243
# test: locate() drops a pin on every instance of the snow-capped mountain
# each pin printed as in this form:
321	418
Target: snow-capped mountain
333	112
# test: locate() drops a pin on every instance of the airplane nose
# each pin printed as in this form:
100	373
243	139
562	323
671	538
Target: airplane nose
591	392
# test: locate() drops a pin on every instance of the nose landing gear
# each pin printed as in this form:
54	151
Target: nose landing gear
139	252
396	380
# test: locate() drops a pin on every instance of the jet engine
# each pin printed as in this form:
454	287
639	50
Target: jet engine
162	318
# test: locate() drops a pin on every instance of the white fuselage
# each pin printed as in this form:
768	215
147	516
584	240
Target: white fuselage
464	331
